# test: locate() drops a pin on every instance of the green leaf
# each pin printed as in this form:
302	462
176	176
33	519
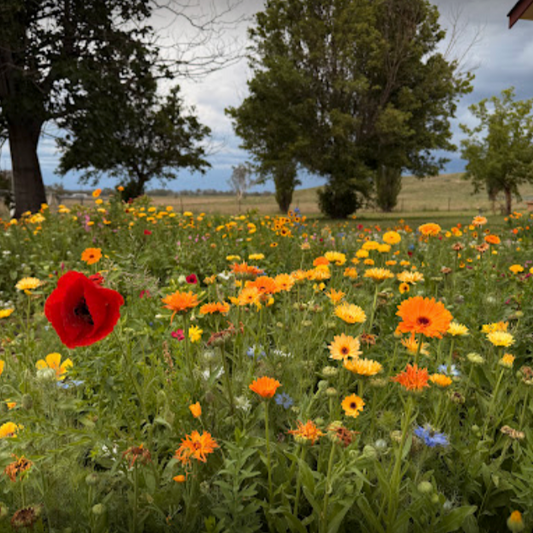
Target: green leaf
455	519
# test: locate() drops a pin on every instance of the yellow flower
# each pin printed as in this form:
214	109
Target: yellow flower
361	254
495	326
363	367
4	313
344	347
430	229
391	237
97	193
187	214
350	272
507	360
335	257
384	248
441	380
410	277
53	360
26	284
196	409
350	313
195	333
516	269
256	257
335	296
411	345
500	338
378	274
404	287
369	262
353	405
455	329
2	364
370	245
9	429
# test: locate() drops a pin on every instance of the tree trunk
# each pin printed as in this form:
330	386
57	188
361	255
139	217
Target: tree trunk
508	201
28	186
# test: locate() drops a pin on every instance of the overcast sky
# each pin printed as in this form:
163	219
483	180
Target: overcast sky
500	58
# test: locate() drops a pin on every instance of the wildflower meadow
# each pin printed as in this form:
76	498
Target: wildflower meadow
183	372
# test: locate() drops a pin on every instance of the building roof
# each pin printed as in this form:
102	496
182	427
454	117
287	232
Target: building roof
522	10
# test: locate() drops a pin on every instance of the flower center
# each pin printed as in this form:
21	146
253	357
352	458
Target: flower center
82	311
423	321
353	405
344	350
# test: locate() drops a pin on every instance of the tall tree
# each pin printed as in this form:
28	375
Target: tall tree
499	150
362	84
132	134
240	181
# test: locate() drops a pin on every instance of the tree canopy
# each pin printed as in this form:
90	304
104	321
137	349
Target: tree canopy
499	150
346	87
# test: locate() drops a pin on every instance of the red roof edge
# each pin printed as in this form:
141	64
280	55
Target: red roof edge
518	10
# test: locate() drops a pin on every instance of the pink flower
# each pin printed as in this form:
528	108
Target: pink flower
178	334
191	279
145	293
147	232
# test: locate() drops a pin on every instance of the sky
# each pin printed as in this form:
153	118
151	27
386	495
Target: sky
499	58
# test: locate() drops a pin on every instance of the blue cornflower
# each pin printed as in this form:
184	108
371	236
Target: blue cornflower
284	400
443	369
431	437
70	383
256	352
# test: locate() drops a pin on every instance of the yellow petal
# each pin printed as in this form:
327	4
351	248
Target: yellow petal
2	363
40	364
53	360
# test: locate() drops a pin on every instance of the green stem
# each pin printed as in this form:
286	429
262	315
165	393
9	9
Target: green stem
298	483
524	407
328	489
269	466
227	380
492	402
135	496
374	303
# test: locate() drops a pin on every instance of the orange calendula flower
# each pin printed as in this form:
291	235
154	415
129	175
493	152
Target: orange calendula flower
53	361
196	409
243	269
180	479
350	313
442	380
320	261
413	378
353	405
248	296
344	347
363	367
180	302
492	239
507	360
96	193
515	523
17	467
284	282
266	387
196	446
264	284
392	237
307	432
516	269
335	296
350	272
91	255
217	307
424	316
404	287
429	230
479	221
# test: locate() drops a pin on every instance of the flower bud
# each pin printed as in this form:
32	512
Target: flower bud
4	511
98	509
370	452
330	371
46	374
27	401
515	522
425	487
381	445
91	479
331	392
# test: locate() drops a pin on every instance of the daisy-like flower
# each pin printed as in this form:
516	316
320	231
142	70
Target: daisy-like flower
266	387
256	257
492	239
307	432
17	468
196	446
91	255
424	316
441	380
350	313
410	277
284	282
2	364
28	284
344	347
196	409
53	361
4	313
500	338
378	274
320	261
353	405
195	333
180	302
243	269
413	378
350	272
319	273
216	307
457	330
507	360
479	221
411	345
337	258
248	296
431	437
9	429
392	237
264	284
404	287
335	296
363	367
430	229
495	326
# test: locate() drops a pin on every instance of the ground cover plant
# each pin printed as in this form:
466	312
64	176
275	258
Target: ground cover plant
167	371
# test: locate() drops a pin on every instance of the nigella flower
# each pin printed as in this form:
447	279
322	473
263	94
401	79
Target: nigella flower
452	371
284	400
256	351
431	437
68	384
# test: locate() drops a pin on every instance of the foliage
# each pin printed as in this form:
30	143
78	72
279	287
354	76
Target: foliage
345	88
102	441
132	134
499	150
388	187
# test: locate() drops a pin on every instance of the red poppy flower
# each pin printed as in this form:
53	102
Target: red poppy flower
81	311
191	279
